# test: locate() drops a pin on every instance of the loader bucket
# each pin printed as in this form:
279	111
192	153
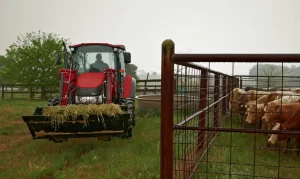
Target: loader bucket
41	127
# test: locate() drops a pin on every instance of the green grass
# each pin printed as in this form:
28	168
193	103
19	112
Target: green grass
138	157
22	157
243	156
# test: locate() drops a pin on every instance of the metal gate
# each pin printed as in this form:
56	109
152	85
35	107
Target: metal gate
202	136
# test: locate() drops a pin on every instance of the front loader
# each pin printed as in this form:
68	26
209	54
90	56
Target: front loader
93	86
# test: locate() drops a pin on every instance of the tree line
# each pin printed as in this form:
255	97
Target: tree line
30	60
277	75
274	70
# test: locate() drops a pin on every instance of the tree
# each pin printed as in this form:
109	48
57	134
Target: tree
154	73
31	61
132	70
270	71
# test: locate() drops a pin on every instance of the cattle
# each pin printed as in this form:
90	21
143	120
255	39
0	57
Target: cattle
286	100
248	88
284	89
274	139
254	113
254	95
237	97
264	99
237	93
279	113
285	93
295	90
293	123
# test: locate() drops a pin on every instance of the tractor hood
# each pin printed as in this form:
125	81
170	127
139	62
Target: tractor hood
91	80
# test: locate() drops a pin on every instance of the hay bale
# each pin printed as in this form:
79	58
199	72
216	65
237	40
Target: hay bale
61	114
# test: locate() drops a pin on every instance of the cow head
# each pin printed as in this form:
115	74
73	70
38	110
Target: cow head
234	107
254	112
274	137
251	113
271	110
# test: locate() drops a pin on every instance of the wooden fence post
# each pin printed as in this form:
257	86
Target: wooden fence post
145	88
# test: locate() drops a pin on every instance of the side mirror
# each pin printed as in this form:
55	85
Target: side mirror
58	59
127	57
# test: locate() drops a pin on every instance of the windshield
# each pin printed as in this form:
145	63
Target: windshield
94	56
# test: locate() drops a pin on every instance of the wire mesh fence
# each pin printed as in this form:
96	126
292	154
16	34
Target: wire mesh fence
216	125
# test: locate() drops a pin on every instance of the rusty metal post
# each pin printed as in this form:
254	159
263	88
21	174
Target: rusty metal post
268	83
227	92
166	129
224	89
216	98
202	116
240	82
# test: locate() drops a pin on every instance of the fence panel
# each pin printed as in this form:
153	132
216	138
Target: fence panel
11	91
148	86
202	136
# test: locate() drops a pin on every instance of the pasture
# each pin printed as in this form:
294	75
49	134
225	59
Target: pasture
22	157
138	157
245	155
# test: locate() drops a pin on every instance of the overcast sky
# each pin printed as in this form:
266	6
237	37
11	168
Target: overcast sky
196	26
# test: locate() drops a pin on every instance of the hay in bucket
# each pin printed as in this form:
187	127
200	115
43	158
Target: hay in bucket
61	114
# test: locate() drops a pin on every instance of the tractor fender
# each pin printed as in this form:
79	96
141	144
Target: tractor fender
133	88
129	87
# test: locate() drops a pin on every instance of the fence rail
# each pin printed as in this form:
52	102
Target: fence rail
13	91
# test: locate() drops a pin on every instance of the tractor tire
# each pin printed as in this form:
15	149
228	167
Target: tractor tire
130	102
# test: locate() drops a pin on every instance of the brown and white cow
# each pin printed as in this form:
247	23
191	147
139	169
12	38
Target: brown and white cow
254	95
279	113
254	113
237	97
293	123
263	100
285	93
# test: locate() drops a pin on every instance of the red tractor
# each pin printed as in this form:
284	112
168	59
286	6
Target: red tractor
93	73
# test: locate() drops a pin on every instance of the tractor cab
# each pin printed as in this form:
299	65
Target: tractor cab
91	65
93	57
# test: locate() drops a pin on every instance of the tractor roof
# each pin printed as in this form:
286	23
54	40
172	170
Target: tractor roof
105	44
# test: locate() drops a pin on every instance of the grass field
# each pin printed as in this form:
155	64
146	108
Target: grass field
22	157
138	157
245	155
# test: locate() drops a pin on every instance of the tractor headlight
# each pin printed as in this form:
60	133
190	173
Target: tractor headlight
89	99
92	99
82	99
